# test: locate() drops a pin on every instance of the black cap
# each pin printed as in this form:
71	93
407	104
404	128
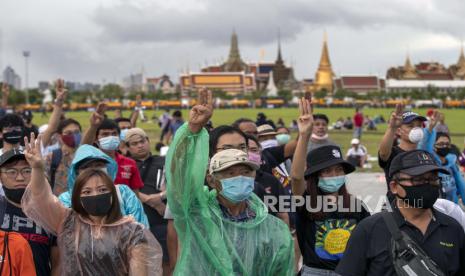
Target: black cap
409	116
324	157
415	162
87	161
14	154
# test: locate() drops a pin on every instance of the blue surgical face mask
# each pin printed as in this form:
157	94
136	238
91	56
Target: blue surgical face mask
109	143
122	134
237	189
331	184
283	138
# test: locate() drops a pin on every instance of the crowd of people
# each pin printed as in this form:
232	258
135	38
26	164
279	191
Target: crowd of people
239	199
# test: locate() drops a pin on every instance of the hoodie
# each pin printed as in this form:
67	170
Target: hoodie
130	204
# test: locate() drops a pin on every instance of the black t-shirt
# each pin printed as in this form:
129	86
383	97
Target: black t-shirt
271	187
152	174
369	249
39	240
323	242
272	157
387	164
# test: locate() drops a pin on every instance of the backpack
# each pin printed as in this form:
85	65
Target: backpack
408	258
57	154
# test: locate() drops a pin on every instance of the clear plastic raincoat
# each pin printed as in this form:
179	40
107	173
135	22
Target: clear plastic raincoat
212	244
130	204
121	248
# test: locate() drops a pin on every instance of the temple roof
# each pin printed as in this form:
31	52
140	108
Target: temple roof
359	80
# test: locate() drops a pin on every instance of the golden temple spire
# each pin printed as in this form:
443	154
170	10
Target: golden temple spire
324	75
409	69
461	62
324	60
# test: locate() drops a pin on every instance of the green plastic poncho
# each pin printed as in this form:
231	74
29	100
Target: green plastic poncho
210	243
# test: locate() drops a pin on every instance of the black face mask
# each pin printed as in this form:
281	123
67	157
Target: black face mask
443	151
98	205
14	195
421	196
13	137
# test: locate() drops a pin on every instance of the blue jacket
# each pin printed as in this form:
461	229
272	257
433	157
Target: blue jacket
453	183
130	204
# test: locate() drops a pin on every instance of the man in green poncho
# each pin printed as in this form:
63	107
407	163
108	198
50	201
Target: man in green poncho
225	230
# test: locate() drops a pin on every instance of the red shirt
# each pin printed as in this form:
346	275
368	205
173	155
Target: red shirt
128	173
358	119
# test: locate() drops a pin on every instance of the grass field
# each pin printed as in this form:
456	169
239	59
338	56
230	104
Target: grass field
455	118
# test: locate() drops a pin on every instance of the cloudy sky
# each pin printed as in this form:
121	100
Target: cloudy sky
105	40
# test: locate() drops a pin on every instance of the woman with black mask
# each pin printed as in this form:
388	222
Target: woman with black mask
452	185
93	237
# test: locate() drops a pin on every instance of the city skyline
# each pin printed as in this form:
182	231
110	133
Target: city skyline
110	39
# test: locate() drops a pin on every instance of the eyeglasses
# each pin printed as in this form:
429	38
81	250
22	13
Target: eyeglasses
242	147
442	145
420	180
13	173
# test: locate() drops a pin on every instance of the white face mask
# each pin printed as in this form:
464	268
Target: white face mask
415	135
269	143
316	137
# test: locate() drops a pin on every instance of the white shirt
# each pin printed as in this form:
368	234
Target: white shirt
360	151
451	209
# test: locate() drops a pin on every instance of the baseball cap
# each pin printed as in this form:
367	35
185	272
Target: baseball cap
324	157
415	162
355	141
134	131
14	154
410	116
228	158
266	129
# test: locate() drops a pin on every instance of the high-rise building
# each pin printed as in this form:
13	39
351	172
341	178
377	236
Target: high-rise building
134	82
10	77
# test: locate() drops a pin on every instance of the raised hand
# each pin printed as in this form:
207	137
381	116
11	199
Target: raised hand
434	119
32	151
97	117
201	113
305	121
61	91
395	120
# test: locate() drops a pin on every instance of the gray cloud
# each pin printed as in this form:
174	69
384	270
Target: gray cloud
258	20
112	38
